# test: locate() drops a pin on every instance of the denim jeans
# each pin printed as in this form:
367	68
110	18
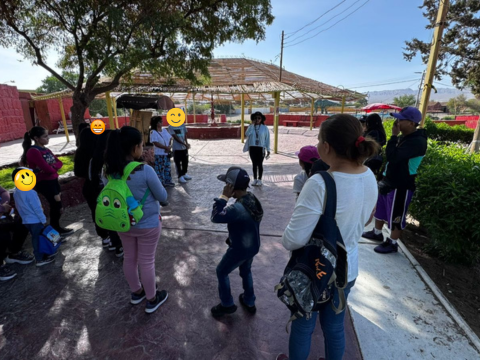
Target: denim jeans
35	231
332	327
231	260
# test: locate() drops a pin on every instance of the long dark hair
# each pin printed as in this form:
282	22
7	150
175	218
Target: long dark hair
34	132
153	125
120	145
342	132
374	123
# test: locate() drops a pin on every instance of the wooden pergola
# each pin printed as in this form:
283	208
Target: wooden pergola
231	79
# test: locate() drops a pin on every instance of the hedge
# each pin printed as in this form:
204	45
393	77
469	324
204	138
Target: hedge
447	200
440	131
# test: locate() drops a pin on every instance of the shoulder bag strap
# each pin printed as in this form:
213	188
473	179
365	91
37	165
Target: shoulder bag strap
330	206
129	168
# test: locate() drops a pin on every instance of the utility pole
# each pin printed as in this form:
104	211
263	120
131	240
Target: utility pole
420	88
432	61
277	102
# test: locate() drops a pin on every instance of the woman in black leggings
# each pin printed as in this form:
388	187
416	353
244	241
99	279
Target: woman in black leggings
258	141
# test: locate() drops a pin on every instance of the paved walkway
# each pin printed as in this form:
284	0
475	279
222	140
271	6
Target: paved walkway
78	307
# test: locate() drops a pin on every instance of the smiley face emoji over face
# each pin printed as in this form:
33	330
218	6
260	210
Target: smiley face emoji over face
176	117
25	180
97	127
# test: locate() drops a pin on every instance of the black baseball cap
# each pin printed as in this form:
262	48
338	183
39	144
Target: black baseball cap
237	177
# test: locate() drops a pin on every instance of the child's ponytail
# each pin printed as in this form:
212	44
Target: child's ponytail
34	132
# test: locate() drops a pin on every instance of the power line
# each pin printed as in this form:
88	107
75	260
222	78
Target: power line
310	23
326	22
332	25
396	82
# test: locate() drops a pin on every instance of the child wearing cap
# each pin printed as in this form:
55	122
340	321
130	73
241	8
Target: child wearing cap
306	157
28	205
404	155
243	222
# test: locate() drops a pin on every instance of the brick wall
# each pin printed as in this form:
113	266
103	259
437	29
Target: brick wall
12	123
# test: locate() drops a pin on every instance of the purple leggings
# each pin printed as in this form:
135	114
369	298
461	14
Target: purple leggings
139	246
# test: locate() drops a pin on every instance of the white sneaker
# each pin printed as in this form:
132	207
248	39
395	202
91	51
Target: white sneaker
182	180
259	182
187	177
254	183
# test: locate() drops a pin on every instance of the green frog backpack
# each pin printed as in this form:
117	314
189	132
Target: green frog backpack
117	209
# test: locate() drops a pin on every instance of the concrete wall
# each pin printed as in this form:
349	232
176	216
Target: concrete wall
12	123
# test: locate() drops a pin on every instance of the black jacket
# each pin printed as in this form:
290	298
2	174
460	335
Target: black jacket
404	155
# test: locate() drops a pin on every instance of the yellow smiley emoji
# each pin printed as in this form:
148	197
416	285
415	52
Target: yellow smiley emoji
25	180
97	127
176	117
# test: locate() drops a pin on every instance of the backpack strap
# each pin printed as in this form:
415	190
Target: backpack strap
129	168
330	207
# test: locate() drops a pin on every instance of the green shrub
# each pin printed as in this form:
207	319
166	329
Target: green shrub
449	118
440	132
447	200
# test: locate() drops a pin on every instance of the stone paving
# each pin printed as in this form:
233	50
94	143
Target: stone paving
79	307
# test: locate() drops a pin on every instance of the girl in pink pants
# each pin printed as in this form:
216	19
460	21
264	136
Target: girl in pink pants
140	243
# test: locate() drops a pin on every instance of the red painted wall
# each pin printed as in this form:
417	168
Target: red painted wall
12	123
48	112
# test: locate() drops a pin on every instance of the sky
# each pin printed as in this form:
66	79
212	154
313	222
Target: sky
362	52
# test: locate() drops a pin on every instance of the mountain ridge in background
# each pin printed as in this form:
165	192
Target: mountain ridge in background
442	95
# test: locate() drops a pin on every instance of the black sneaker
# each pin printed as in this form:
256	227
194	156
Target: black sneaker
111	247
45	261
164	203
6	273
21	257
65	232
250	309
372	236
106	242
137	298
386	247
221	310
119	252
160	298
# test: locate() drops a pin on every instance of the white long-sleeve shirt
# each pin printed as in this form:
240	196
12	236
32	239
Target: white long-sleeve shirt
356	198
259	133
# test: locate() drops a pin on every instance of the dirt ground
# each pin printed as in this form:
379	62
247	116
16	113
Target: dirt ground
459	284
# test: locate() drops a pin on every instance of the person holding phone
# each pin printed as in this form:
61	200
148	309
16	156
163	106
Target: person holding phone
257	142
404	156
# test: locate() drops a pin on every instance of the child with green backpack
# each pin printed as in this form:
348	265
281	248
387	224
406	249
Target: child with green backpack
129	205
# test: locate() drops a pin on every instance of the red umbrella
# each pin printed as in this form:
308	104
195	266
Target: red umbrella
380	106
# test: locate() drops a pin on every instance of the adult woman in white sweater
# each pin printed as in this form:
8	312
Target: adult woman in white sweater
342	146
257	142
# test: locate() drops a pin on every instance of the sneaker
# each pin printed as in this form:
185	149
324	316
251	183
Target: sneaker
111	247
21	257
250	309
282	357
259	182
221	310
160	298
182	180
119	252
187	177
255	182
136	299
45	261
169	184
106	242
372	236
65	232
6	273
386	247
164	203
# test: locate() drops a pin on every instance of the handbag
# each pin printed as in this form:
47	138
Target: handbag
49	241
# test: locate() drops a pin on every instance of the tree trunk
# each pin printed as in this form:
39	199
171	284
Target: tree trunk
475	147
80	105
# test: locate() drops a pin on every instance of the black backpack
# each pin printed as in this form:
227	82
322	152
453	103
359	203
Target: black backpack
321	264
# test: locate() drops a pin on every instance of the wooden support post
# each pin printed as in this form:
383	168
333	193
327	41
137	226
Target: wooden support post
194	111
311	114
432	61
476	139
109	110
343	103
275	123
64	120
115	111
242	122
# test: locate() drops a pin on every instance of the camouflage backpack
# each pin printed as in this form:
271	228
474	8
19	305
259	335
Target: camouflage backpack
117	209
